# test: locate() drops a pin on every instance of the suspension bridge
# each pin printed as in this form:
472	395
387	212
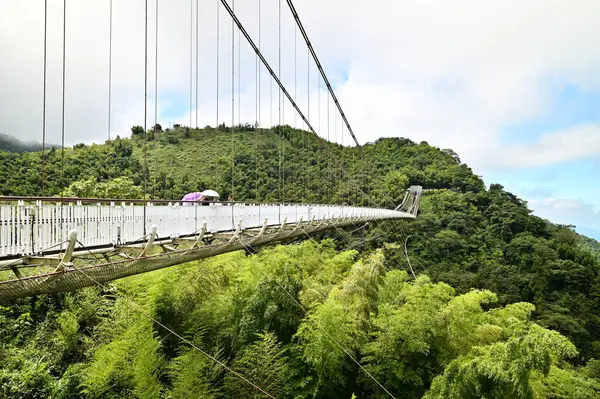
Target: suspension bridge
56	244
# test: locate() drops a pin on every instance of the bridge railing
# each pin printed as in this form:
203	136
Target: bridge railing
30	226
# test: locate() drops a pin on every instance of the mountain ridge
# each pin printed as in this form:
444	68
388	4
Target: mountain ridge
12	144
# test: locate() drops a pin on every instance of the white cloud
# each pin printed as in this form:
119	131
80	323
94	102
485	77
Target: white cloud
579	142
568	211
450	73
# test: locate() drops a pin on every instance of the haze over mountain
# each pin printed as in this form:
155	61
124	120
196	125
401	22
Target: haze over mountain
13	144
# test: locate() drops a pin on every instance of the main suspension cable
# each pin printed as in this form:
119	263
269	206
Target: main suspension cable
265	63
272	73
318	63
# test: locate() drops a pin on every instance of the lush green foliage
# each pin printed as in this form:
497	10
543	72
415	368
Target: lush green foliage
276	319
529	329
119	187
489	240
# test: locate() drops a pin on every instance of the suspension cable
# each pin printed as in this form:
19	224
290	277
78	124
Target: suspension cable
272	73
62	126
232	104
282	112
308	170
279	104
335	140
319	103
197	40
344	172
110	35
308	84
239	78
218	8
330	180
145	108
319	119
318	63
258	101
155	101
297	196
191	56
271	104
265	63
295	70
259	68
44	97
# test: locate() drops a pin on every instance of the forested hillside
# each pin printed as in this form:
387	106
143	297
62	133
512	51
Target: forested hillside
505	304
312	169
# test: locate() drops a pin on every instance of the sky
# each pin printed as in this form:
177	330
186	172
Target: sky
513	86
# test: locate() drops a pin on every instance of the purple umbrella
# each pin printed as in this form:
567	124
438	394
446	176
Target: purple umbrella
197	196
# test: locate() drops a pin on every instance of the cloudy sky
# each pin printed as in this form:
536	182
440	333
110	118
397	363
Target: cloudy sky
512	86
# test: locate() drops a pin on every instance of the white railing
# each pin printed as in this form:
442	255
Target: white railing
29	229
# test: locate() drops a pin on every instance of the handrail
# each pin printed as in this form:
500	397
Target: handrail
13	198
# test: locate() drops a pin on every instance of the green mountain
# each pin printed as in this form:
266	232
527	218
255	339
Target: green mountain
312	169
500	292
12	144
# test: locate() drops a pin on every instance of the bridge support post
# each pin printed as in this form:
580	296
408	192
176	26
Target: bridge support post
284	223
263	229
238	232
66	260
261	232
200	236
150	243
298	224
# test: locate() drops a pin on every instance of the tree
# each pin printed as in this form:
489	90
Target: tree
122	187
264	364
137	130
118	188
452	154
393	186
83	189
503	369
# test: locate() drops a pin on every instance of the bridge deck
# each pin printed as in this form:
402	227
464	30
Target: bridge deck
43	244
29	229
